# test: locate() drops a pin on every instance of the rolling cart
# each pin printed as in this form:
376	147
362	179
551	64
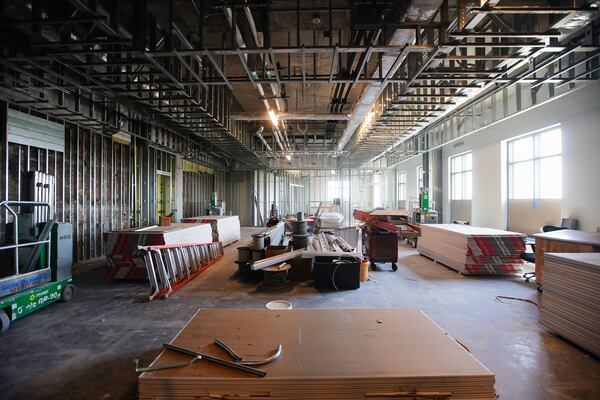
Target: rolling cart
380	235
381	247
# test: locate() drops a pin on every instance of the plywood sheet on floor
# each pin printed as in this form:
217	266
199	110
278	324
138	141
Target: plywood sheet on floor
326	354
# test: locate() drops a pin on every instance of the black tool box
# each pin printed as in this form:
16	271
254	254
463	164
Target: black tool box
339	273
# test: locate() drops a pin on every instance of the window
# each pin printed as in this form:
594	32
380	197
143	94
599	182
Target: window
461	177
401	186
377	200
535	166
419	178
337	189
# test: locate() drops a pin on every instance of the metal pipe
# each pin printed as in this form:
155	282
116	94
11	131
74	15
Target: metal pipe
216	360
262	138
291	116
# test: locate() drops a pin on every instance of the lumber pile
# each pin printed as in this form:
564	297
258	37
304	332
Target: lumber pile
225	228
473	250
124	259
327	354
571	298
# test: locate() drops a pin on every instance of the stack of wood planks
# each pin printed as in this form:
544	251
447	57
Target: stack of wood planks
327	354
473	250
226	228
571	298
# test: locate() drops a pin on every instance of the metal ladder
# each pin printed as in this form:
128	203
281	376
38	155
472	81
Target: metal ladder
171	266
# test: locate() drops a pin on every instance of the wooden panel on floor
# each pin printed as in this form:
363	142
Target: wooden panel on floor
326	354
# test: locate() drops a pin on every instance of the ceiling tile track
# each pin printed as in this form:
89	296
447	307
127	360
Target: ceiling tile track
130	78
469	60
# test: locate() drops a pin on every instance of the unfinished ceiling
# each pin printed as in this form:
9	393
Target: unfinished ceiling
278	84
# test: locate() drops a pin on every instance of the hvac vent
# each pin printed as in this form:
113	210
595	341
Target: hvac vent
458	144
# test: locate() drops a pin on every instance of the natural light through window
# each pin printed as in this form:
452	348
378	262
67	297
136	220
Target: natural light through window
419	178
377	200
461	177
337	189
401	186
535	166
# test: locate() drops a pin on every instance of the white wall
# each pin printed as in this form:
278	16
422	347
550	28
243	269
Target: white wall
578	112
410	167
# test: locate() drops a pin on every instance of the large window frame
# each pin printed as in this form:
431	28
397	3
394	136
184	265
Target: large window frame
401	187
377	190
461	176
534	163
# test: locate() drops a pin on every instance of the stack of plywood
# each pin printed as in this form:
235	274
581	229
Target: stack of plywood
473	250
571	299
327	354
226	228
124	259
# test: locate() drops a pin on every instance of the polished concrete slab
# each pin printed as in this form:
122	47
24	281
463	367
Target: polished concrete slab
85	349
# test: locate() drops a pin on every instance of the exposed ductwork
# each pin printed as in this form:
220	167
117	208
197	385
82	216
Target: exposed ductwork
259	135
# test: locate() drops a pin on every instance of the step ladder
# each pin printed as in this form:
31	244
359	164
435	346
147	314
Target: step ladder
171	266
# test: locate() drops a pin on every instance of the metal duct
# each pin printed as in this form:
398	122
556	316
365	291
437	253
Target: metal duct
389	65
259	135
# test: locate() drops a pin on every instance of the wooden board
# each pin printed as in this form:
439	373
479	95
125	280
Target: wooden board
562	241
389	213
326	354
571	236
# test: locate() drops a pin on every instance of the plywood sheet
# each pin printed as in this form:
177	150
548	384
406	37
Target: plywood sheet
571	235
326	353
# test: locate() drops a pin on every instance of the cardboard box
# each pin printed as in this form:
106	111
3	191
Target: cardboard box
163	220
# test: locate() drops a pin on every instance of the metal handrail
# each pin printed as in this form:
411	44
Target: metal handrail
7	204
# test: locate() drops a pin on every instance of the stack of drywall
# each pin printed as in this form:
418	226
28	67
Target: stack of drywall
226	228
330	220
472	250
327	354
124	259
571	299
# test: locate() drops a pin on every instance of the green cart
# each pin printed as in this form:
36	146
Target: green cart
35	266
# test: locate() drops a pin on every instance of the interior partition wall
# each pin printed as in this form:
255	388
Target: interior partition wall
285	190
100	184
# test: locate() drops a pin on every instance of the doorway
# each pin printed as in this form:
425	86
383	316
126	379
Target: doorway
164	194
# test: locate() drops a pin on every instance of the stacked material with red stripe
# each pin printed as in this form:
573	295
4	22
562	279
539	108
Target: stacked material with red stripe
225	228
125	260
473	250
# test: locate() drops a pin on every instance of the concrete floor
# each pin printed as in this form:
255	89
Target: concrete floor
84	349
